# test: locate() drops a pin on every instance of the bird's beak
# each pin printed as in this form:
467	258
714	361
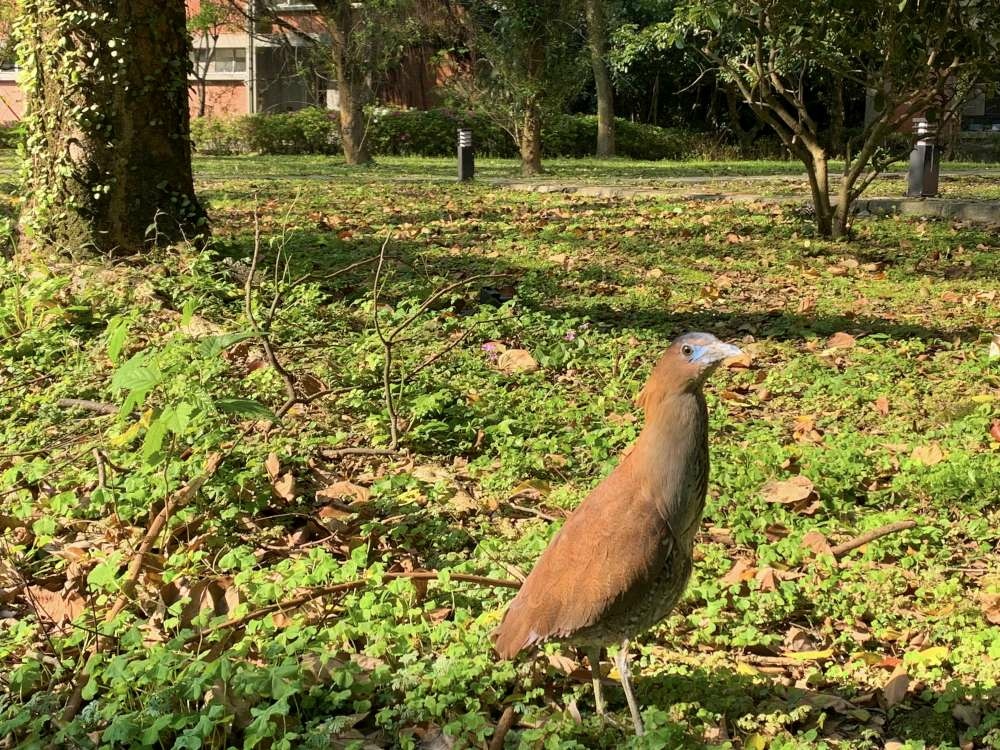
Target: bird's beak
717	352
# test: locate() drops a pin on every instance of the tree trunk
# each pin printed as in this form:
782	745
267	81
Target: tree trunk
352	121
815	161
109	148
597	43
531	140
352	87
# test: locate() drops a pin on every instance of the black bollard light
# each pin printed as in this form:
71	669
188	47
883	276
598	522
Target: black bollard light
466	157
925	162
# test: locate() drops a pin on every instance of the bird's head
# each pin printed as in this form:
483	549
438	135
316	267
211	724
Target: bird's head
685	366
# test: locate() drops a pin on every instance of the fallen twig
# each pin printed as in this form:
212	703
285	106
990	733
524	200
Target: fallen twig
81	403
175	500
338	452
340	588
535	512
507	719
863	539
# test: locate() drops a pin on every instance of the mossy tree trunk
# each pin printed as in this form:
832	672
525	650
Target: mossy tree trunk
108	140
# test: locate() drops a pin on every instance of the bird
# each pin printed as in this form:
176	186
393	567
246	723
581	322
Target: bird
623	558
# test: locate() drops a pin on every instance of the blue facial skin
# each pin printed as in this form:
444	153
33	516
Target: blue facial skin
706	349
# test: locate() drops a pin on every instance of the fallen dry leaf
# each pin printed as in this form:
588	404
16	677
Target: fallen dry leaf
742	570
881	405
284	487
788	491
841	340
55	606
995	430
272	466
311	385
928	455
896	687
990	604
344	489
816	542
516	360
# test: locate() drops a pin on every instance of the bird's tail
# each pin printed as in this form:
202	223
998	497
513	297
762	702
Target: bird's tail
511	635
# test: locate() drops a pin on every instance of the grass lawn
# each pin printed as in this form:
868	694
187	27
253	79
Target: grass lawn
869	398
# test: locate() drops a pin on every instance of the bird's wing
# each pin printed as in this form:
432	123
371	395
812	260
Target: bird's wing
598	562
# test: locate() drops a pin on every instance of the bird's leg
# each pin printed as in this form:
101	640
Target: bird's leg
594	657
621	661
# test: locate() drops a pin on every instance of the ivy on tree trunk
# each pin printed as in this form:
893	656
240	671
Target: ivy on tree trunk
108	167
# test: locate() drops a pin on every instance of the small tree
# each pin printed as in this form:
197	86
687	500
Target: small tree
526	62
108	146
791	62
205	27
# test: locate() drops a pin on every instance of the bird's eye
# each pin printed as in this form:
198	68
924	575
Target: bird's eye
686	350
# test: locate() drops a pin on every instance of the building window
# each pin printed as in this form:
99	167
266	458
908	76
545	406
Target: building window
224	60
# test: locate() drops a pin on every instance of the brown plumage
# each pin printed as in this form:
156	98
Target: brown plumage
623	558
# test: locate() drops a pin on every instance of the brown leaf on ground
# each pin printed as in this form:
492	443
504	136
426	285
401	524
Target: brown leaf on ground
768	578
310	385
990	604
791	491
995	430
344	489
804	430
816	542
841	340
881	405
928	455
284	488
742	570
56	606
516	360
272	465
896	687
217	596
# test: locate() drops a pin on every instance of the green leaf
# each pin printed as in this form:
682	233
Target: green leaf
187	312
117	335
213	346
154	439
136	374
244	407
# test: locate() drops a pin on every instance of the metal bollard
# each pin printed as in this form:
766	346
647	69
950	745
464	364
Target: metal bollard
466	156
925	162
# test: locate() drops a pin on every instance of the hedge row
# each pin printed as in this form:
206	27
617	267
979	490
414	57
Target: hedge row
425	133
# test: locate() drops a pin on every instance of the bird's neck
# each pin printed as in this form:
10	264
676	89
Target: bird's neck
671	450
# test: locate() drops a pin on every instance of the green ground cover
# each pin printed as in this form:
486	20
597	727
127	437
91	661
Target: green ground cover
869	397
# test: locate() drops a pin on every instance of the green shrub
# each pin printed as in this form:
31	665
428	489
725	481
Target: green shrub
305	131
220	136
11	134
396	132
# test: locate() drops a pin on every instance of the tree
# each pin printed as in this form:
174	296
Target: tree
108	144
365	40
597	46
525	62
205	27
792	62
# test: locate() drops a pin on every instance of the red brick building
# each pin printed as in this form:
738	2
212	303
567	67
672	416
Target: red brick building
244	63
